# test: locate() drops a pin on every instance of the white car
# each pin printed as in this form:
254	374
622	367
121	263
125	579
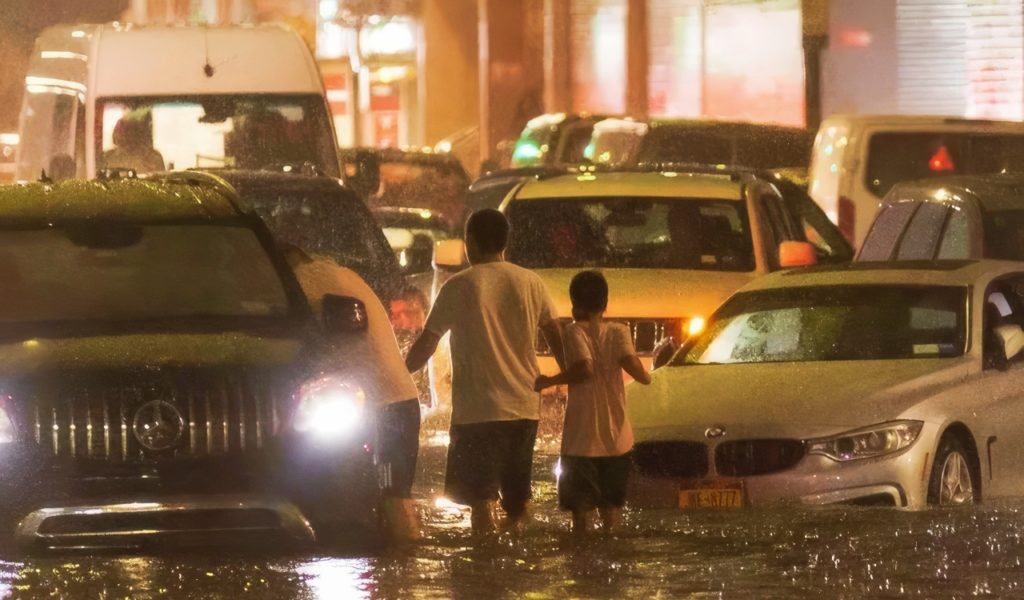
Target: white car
890	384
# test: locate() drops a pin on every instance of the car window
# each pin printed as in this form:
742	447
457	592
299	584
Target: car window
818	230
922	234
896	157
1004	234
956	242
777	224
854	322
886	231
631	232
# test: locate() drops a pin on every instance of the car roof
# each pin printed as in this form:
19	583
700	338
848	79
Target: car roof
661	184
992	192
937	273
123	200
278	181
920	120
668	124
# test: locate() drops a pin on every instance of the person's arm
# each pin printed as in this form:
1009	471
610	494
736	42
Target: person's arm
553	335
579	372
628	359
634	368
421	351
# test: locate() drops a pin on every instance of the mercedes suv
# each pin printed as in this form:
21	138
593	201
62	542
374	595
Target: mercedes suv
164	379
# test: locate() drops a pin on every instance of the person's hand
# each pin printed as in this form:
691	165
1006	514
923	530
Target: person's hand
541	383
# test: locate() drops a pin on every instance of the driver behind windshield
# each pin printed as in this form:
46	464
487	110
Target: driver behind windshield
133	147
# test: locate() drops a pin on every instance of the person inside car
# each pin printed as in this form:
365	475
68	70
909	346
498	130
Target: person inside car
133	147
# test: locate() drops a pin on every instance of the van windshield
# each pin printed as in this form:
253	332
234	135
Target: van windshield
896	157
251	132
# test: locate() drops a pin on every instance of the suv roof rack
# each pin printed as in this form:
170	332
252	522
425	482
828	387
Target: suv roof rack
202	179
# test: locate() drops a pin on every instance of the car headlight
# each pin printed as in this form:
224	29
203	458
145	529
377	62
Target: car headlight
878	440
694	325
7	431
330	408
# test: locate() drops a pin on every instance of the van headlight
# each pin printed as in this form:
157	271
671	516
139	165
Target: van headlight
870	442
330	408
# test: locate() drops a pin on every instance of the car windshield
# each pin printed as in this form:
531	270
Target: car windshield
896	157
231	131
832	323
107	271
631	232
331	225
437	187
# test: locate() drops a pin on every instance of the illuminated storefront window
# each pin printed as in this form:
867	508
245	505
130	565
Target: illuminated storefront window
599	55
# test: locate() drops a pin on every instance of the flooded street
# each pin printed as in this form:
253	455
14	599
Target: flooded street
779	553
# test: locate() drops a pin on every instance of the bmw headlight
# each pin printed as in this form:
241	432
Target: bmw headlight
878	440
330	408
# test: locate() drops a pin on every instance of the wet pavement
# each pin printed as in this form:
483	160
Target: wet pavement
779	553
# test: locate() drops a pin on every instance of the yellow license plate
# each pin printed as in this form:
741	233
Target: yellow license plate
730	497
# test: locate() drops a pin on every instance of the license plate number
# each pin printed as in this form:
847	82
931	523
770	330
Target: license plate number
731	497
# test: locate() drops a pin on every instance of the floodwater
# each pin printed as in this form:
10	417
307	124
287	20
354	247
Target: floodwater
781	553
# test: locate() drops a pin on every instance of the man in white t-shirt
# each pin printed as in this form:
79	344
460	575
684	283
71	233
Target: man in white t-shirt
493	311
387	383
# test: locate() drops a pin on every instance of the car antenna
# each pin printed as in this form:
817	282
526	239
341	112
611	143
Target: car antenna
208	69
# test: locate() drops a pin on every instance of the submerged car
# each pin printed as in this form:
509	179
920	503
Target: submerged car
949	218
894	384
164	379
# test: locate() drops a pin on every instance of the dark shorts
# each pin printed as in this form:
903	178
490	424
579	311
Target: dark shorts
593	482
488	461
398	444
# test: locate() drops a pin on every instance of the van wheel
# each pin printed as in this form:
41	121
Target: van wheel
954	481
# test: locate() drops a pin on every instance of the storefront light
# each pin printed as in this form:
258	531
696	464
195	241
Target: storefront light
388	38
328	9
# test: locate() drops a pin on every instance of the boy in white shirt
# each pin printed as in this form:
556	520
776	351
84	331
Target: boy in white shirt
597	440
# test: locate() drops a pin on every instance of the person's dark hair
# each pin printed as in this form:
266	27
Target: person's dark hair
411	293
589	291
489	230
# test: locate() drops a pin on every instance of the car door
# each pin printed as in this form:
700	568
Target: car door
996	402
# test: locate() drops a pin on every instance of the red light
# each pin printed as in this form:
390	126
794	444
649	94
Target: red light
854	38
941	161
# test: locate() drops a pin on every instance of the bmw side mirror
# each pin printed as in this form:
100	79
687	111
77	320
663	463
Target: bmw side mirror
664	352
343	315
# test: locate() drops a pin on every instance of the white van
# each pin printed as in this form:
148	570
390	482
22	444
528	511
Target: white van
857	159
169	98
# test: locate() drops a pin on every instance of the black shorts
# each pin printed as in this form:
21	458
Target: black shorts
398	444
588	482
488	461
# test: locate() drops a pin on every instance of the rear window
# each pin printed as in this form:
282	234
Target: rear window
896	157
750	146
924	231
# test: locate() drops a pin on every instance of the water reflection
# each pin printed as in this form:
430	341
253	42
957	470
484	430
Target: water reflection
778	553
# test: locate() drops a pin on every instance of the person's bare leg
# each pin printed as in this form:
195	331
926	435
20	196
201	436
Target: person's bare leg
611	518
484	516
403	522
581	521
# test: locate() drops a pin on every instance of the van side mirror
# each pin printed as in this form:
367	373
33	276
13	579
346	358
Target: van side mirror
343	315
793	253
450	255
664	352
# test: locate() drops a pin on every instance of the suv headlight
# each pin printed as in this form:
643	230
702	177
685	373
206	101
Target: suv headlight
329	408
870	442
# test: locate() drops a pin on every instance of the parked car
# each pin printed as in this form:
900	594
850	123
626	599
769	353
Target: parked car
554	140
106	97
673	245
164	378
699	141
894	384
857	159
8	148
322	216
949	218
388	177
412	233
